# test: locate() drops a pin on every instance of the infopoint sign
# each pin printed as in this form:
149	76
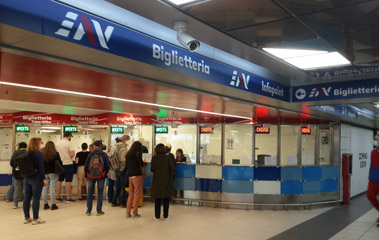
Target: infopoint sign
61	21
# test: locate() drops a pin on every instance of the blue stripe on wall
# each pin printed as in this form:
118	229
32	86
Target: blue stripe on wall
330	172
329	186
291	188
311	187
291	173
237	173
237	186
267	173
208	185
185	170
5	179
312	173
185	184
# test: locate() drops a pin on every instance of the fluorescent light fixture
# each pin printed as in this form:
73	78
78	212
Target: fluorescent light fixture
309	59
123	100
47	131
180	2
56	128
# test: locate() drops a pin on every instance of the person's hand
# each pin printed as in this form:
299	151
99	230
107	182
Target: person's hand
45	182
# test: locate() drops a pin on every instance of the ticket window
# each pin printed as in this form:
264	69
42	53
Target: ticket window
142	133
238	144
210	144
45	132
266	144
308	145
89	134
6	138
325	145
179	136
289	145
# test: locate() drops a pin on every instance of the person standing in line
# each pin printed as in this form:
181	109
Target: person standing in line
91	148
34	183
17	178
162	187
373	183
100	181
119	196
133	164
66	153
112	173
80	160
50	156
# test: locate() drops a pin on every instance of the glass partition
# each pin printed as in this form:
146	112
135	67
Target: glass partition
142	133
182	136
6	138
325	143
45	132
89	134
308	146
238	144
289	142
266	144
210	145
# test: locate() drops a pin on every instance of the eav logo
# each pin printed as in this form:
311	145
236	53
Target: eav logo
239	78
320	91
85	28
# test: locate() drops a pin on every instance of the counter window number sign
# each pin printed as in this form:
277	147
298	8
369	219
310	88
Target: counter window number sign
306	130
117	130
22	128
161	129
70	129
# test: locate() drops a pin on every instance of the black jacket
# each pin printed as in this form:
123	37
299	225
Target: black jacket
15	172
50	165
133	166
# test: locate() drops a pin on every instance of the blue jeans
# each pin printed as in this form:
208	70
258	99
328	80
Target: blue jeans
16	191
111	186
52	179
33	188
119	194
11	191
100	190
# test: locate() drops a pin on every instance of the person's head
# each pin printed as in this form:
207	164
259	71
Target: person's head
104	147
97	144
376	140
168	147
84	146
160	149
34	145
135	150
124	138
91	148
118	140
22	145
49	152
179	153
67	135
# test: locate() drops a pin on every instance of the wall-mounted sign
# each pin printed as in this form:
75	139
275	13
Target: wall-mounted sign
70	129
22	128
306	130
161	129
117	129
206	129
262	130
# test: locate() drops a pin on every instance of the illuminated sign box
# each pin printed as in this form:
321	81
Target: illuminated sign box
305	130
20	128
70	129
262	130
206	129
161	129
117	130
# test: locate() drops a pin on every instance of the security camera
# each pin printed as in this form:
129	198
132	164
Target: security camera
183	38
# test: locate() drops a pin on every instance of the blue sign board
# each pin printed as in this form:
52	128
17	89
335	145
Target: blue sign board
345	71
340	110
64	22
337	90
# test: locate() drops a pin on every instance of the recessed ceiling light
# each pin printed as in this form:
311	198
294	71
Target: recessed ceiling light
180	2
309	59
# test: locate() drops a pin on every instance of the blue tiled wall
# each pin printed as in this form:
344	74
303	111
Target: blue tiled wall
311	187
237	186
267	173
330	172
237	173
292	187
185	170
329	186
185	184
312	173
208	185
291	174
5	179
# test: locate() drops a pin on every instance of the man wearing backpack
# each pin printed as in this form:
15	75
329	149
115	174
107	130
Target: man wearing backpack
118	164
18	179
96	168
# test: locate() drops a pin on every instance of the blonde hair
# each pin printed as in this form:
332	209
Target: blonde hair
33	145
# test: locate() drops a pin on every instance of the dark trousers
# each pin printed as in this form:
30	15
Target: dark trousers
119	193
166	203
111	187
33	188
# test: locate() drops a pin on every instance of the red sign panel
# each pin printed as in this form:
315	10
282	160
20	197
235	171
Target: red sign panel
262	130
305	130
206	129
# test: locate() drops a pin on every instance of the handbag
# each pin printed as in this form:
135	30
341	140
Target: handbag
143	171
58	167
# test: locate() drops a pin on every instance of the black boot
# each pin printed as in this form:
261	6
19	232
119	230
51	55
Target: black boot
54	207
46	206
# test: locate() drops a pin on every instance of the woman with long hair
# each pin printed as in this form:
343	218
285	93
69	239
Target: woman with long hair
50	156
133	165
162	187
34	183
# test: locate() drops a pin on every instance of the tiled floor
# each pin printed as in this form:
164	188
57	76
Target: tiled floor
363	229
186	222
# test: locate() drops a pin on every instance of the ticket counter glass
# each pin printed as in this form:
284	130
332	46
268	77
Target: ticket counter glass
325	143
289	142
238	144
142	133
45	132
308	146
266	146
210	144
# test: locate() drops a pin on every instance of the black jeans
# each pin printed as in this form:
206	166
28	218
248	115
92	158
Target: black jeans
166	202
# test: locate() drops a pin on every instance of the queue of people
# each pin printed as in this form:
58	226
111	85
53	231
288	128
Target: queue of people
123	166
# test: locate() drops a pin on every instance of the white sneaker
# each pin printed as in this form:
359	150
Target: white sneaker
156	219
38	221
15	205
26	221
